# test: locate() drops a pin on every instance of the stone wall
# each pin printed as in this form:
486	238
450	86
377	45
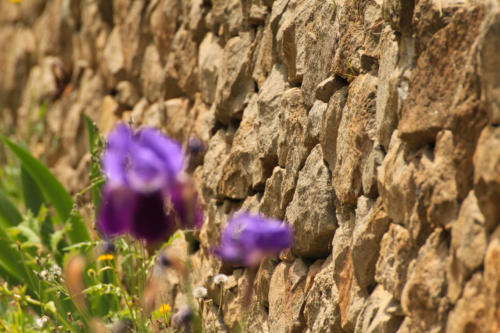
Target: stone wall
371	126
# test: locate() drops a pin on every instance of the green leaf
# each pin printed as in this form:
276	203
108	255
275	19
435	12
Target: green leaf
53	191
33	197
11	261
24	230
10	258
92	131
95	170
9	215
55	239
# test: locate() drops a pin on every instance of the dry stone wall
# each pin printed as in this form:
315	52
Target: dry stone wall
372	126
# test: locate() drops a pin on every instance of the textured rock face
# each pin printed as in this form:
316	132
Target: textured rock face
371	126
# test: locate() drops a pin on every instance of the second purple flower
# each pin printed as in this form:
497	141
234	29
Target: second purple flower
250	238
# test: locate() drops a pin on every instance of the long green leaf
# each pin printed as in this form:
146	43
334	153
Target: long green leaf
9	215
33	197
53	191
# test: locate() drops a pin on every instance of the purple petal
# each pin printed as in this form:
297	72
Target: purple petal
249	238
165	148
116	157
150	221
148	172
115	216
230	253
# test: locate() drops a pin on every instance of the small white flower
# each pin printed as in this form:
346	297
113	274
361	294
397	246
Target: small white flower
200	292
220	279
40	322
44	274
56	271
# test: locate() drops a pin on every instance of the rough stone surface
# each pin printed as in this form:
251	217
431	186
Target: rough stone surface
371	224
321	311
312	208
396	252
286	297
423	295
369	125
468	245
356	134
381	313
423	116
486	176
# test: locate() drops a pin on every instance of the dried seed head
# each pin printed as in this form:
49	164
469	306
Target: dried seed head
200	292
220	279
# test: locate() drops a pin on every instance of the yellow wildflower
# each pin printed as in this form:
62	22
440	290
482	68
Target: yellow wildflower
105	257
16	1
165	308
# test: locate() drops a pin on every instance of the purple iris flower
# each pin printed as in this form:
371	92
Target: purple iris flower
249	238
144	171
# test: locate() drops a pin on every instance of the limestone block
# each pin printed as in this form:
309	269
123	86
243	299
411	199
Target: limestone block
369	173
243	170
430	16
179	118
423	116
181	66
269	101
315	40
217	153
235	83
486	176
388	100
489	63
351	296
423	295
126	94
263	280
113	56
312	210
468	245
293	146
204	121
356	134
315	121
272	198
286	297
152	75
381	313
492	281
209	60
321	311
329	131
326	88
470	312
163	22
15	62
263	55
371	224
396	252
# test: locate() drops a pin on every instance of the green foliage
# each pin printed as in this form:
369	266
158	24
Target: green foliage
42	235
96	144
9	215
53	192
